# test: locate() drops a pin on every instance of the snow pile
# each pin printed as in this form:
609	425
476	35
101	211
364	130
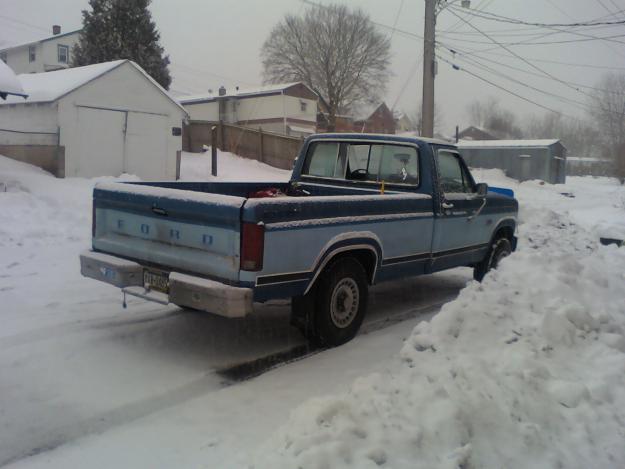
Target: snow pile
596	203
9	82
526	369
39	209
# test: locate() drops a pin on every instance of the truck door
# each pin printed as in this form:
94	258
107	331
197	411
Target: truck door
458	238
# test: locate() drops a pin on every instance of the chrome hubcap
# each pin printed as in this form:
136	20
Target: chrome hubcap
344	302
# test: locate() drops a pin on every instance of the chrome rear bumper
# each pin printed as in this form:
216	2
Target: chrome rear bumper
184	290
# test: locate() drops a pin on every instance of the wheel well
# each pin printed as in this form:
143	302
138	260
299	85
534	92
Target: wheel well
366	258
504	232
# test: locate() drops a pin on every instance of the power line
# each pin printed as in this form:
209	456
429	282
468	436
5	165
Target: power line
401	5
572	32
455	51
23	23
566	41
554	62
521	58
618	9
553	4
521	32
483	4
578	104
473	74
413	70
504	19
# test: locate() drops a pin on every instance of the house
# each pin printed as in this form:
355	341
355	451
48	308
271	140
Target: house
342	122
288	109
403	123
380	121
519	159
475	133
99	120
45	55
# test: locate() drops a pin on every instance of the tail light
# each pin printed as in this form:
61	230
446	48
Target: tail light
252	246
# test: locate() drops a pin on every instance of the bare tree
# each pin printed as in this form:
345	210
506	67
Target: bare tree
333	49
579	136
417	117
490	116
608	110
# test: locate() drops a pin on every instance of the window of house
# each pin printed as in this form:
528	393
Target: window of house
453	175
3	57
303	105
32	53
63	53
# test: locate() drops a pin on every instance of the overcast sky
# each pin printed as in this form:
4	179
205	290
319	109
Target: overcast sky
212	42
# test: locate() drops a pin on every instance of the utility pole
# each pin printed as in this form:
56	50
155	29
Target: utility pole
429	69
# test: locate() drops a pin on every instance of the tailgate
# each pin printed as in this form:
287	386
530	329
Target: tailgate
182	230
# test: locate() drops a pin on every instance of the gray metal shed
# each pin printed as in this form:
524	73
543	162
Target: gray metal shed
519	159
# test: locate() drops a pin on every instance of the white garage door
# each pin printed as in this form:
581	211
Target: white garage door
146	145
100	142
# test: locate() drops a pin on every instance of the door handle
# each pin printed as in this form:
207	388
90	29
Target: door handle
447	205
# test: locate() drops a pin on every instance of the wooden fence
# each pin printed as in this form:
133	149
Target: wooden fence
267	147
48	157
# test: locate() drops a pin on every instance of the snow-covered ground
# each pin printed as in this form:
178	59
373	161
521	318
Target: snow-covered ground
230	167
524	370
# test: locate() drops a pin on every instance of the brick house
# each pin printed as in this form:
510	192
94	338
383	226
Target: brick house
380	121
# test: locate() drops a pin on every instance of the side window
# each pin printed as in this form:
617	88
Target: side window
32	53
323	161
453	176
399	164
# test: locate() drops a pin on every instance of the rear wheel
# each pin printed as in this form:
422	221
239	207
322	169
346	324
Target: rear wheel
332	313
500	248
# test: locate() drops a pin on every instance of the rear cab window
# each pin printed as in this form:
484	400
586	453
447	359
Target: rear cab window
363	161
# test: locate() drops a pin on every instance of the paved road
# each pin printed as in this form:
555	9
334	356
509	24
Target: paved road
62	381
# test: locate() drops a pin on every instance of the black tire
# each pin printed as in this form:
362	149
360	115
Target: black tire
340	302
332	312
500	248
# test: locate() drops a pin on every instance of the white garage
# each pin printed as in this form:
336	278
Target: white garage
100	120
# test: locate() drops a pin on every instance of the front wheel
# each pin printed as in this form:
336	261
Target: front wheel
500	248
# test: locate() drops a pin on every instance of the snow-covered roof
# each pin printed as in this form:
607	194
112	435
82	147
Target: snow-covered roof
303	130
238	93
51	86
35	41
507	143
9	84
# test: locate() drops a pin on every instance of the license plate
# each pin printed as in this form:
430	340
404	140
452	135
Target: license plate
156	280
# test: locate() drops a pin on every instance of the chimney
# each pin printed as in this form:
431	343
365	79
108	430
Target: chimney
222	90
56	30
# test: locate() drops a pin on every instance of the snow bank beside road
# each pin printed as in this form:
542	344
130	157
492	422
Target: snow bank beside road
526	369
39	209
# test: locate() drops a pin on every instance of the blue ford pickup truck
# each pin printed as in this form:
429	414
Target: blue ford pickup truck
359	209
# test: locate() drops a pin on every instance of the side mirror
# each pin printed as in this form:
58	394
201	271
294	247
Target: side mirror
482	189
